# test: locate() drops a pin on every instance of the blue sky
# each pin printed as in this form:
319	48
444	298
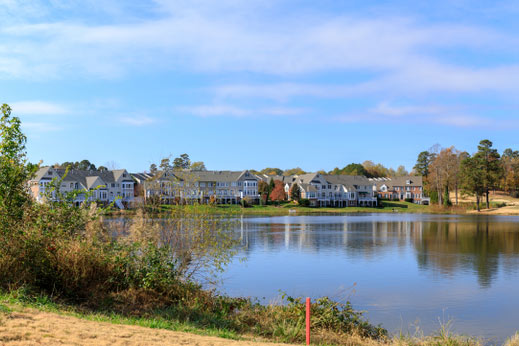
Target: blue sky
251	84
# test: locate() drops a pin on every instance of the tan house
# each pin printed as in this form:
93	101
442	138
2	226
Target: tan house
225	187
105	186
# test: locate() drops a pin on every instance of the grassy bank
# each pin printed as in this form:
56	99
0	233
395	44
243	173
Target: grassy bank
16	305
292	208
288	208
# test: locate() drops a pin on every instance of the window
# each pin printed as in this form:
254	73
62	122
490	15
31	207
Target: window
202	184
323	187
329	187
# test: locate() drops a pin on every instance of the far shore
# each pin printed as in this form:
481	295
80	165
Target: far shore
466	207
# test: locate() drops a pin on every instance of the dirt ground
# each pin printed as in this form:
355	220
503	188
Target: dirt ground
32	327
511	208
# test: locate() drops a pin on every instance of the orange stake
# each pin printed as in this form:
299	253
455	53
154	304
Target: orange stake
308	321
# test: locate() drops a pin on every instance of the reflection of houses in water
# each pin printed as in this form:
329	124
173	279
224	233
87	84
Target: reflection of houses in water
355	238
446	246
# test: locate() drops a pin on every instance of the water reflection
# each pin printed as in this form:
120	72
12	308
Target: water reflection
446	245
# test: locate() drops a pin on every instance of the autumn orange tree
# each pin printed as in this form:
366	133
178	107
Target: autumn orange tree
510	178
278	193
444	173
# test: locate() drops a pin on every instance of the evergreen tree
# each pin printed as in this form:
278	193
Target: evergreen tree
472	180
422	163
182	162
488	161
295	193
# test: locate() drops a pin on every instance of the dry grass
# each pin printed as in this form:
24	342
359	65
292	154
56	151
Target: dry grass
513	341
32	327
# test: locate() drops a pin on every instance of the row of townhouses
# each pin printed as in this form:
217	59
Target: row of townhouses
330	190
115	186
224	187
401	188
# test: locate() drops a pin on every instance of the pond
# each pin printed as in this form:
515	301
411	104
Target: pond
405	270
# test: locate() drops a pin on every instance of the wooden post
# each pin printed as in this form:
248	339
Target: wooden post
308	321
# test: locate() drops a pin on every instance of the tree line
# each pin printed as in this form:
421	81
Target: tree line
449	169
367	168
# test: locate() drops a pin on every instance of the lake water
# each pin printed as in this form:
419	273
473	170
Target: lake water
405	270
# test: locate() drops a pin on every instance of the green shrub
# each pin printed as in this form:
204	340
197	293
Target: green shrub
303	202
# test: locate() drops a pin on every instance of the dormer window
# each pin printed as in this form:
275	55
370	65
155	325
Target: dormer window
408	182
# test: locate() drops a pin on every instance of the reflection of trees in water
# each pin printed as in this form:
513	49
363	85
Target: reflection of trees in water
480	247
447	247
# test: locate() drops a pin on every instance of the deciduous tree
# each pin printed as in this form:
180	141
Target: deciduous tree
278	193
14	172
198	166
293	171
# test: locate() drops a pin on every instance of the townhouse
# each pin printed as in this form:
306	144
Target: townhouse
105	186
408	188
225	187
334	190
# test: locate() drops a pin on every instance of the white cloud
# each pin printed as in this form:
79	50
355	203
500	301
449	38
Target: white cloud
417	114
139	120
234	36
239	112
38	108
36	127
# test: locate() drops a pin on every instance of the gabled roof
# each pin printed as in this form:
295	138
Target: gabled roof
83	177
307	187
349	181
410	180
93	182
42	172
225	176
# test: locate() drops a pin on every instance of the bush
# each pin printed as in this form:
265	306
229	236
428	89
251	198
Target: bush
303	202
247	202
409	200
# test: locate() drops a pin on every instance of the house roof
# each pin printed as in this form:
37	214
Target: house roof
307	187
349	181
85	178
410	180
227	176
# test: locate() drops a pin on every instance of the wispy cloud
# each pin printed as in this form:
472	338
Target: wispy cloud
240	112
397	52
386	113
38	108
43	127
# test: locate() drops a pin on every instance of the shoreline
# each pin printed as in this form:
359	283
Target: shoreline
23	321
291	209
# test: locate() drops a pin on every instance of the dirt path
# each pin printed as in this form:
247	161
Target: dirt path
32	327
508	210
